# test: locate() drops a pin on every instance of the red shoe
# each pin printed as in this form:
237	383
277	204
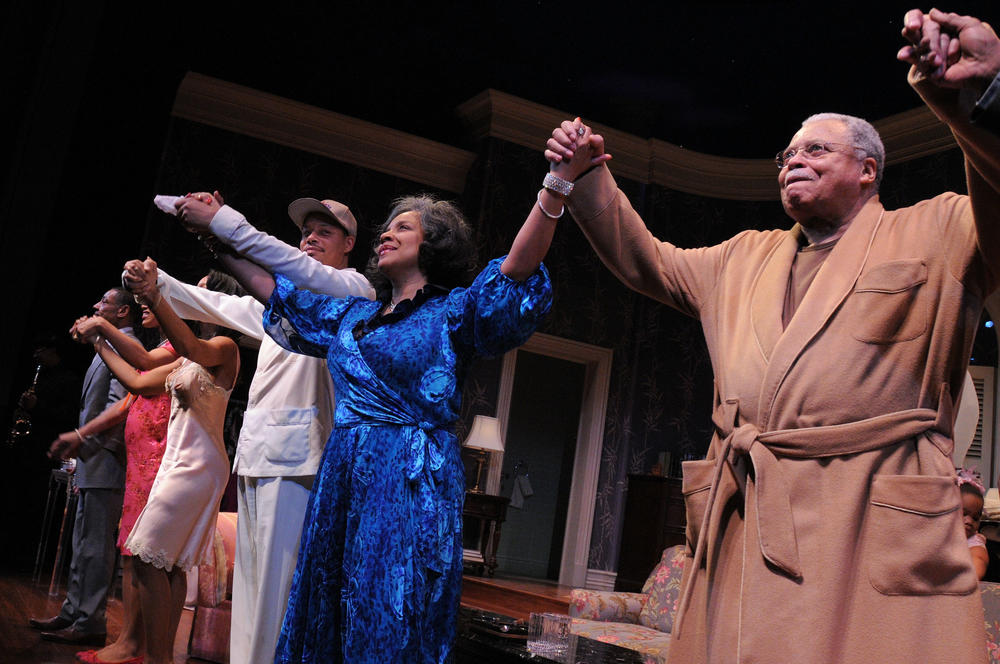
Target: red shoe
90	657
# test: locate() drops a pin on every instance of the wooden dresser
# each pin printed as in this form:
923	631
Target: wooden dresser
654	520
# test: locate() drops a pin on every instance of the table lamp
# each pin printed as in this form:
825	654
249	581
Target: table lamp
484	437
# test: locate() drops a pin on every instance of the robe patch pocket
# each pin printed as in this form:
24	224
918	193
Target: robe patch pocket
696	485
886	306
915	541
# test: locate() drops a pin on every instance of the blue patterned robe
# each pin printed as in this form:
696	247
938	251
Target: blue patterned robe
379	572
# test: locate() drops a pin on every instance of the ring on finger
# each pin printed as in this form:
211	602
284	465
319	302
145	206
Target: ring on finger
580	131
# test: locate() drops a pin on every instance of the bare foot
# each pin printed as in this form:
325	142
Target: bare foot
119	651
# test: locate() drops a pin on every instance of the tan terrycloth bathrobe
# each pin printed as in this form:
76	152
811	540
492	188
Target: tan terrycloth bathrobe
835	527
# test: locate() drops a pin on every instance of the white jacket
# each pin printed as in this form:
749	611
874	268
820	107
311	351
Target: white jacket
290	406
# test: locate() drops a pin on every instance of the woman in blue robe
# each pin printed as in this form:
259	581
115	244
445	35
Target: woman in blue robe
378	577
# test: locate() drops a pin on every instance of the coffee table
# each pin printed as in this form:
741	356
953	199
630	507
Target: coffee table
477	646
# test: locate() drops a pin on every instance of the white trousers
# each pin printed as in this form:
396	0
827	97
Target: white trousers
269	523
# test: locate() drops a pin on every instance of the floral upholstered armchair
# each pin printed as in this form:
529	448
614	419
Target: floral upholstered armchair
991	609
638	621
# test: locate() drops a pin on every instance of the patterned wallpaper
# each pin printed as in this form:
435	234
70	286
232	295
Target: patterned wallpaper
661	383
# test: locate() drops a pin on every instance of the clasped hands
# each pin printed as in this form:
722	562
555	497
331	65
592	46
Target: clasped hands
139	278
197	210
569	139
950	50
87	329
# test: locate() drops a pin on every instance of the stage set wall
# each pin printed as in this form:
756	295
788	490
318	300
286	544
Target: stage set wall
660	394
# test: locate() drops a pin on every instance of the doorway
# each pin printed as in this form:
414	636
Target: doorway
592	406
537	472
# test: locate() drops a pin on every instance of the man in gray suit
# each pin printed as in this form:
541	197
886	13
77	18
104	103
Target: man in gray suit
100	477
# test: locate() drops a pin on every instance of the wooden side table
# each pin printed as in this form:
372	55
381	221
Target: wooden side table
483	514
654	520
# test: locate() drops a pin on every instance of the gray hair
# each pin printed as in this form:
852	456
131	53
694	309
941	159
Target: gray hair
864	136
447	256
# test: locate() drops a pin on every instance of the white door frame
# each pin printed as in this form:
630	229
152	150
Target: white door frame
589	442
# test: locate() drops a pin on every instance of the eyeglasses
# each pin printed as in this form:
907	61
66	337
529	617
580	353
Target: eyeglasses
811	151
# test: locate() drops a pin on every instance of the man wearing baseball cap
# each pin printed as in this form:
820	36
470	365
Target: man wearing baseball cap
290	406
328	209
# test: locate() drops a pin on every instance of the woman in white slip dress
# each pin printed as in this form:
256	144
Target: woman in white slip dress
177	526
175	530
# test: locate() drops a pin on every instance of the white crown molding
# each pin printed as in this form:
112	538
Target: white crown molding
912	134
907	136
296	125
210	101
509	118
707	175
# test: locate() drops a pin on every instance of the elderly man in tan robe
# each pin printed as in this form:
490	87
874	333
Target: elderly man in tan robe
825	524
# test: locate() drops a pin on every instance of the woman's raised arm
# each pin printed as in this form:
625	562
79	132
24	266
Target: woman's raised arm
220	354
129	348
146	384
535	237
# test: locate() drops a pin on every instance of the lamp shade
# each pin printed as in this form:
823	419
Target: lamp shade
485	435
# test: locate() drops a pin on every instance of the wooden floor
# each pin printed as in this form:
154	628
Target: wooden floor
514	596
21	599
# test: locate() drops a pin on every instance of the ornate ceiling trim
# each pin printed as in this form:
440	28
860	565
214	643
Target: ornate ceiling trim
907	136
246	111
495	114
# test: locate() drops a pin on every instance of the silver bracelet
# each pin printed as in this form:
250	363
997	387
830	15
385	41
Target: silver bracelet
557	184
562	209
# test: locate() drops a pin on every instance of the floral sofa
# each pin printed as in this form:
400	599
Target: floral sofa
643	621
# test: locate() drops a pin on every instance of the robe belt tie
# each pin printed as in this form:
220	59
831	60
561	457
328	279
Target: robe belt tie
768	491
426	444
427	449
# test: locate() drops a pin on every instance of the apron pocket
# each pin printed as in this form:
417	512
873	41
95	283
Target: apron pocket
916	544
696	485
